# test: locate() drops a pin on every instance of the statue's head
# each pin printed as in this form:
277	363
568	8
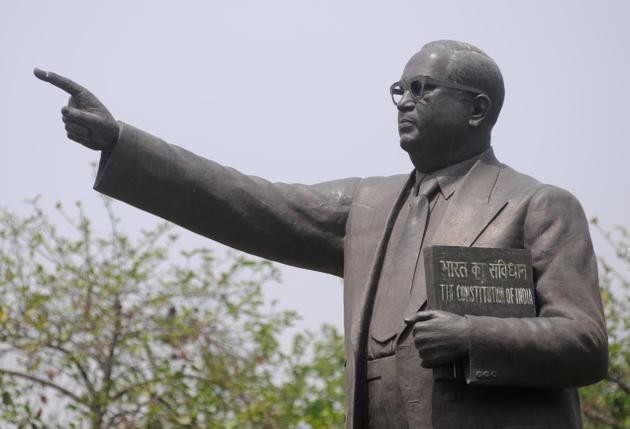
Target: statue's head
448	99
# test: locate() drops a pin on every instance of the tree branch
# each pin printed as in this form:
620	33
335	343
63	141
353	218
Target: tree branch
162	379
117	419
619	382
46	383
111	355
78	365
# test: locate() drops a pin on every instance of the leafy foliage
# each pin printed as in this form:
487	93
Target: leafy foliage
118	335
607	403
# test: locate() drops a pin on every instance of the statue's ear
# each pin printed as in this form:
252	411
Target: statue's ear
481	107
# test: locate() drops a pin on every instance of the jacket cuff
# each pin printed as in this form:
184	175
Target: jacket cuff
116	155
482	368
107	152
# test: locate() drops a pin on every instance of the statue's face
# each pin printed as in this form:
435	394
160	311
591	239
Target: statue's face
431	129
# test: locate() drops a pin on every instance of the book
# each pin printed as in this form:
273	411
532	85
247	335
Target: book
478	281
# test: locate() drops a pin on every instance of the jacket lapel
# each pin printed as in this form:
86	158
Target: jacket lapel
473	207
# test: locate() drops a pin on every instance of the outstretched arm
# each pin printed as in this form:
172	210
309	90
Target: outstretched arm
298	225
295	224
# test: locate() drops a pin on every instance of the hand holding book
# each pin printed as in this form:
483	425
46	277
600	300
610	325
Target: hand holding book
469	280
441	337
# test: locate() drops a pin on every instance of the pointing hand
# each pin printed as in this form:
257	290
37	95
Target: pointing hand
87	120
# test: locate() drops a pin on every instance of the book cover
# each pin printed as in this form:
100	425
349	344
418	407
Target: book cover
478	281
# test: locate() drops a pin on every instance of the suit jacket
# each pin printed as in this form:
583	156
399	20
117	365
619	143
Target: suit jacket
343	227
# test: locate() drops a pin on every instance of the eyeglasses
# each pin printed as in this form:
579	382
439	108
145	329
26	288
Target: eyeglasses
419	84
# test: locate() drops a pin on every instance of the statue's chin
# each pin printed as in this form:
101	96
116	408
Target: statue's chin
409	144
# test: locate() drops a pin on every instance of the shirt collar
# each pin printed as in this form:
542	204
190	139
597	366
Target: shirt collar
449	178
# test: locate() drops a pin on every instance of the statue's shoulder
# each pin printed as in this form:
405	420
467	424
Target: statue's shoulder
513	184
511	180
385	182
380	191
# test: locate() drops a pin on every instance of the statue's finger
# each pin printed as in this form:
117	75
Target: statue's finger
59	81
419	317
77	138
80	117
87	142
78	130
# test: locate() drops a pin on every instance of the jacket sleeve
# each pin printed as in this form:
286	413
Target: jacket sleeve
566	345
294	224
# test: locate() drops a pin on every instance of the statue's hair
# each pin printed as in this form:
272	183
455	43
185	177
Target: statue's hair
471	66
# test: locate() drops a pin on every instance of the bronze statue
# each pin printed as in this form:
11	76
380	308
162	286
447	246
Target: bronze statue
522	372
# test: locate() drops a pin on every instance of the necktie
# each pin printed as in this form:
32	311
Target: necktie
392	295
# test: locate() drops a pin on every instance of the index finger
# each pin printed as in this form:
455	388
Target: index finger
59	81
420	316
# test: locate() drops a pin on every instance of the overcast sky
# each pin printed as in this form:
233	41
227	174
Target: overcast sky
297	91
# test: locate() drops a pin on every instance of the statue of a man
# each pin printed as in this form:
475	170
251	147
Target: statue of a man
522	372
